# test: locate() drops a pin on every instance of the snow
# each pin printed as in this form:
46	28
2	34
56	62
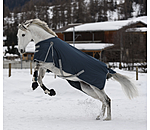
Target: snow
4	38
109	25
142	19
92	46
142	29
11	55
25	109
5	48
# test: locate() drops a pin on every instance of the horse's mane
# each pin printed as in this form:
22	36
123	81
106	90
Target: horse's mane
40	23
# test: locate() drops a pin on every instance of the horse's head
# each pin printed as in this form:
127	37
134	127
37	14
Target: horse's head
38	31
24	36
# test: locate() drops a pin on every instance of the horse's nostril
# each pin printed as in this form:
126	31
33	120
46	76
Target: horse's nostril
21	51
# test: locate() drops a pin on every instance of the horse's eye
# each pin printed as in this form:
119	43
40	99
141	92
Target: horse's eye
23	35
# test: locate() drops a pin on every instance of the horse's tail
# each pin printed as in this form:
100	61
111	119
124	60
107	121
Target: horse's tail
127	85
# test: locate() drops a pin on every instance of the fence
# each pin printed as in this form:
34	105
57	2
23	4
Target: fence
30	65
17	64
142	67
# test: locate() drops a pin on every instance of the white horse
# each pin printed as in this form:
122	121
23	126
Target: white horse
38	30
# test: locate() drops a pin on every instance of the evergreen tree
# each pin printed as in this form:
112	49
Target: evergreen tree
74	12
128	9
102	13
68	12
6	11
79	11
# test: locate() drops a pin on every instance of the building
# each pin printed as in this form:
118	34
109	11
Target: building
99	39
104	33
60	31
30	49
92	49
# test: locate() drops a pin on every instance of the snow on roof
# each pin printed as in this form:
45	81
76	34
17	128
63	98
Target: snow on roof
5	48
10	55
142	19
4	38
142	29
109	25
92	46
30	47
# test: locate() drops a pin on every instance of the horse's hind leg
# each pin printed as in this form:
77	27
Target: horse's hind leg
102	113
88	90
106	103
91	92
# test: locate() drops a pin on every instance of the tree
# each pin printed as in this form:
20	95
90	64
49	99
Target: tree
6	11
69	12
102	12
92	14
128	9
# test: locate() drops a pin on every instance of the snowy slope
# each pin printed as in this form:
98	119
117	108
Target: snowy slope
70	109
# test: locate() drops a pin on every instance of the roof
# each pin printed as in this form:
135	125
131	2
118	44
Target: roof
60	30
92	46
107	26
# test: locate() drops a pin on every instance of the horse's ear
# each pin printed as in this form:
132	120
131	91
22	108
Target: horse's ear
28	22
22	27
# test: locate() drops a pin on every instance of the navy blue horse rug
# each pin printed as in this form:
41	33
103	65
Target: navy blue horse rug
73	61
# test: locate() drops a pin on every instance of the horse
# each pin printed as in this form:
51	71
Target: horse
88	78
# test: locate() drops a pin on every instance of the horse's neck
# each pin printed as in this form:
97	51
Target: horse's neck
39	34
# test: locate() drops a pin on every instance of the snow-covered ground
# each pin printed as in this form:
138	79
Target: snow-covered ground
70	109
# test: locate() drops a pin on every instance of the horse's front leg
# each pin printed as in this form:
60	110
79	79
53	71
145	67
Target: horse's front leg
38	75
50	92
35	77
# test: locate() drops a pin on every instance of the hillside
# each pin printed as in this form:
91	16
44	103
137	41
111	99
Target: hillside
18	3
11	4
60	13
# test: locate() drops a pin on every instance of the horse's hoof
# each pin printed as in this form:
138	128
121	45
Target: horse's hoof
34	85
97	118
107	119
52	92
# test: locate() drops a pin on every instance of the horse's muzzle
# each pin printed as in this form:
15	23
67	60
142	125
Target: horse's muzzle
22	51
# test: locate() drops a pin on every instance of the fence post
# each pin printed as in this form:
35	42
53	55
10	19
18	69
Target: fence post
9	69
21	60
137	73
31	67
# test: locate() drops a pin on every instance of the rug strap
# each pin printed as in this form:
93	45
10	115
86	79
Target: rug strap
51	45
70	76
